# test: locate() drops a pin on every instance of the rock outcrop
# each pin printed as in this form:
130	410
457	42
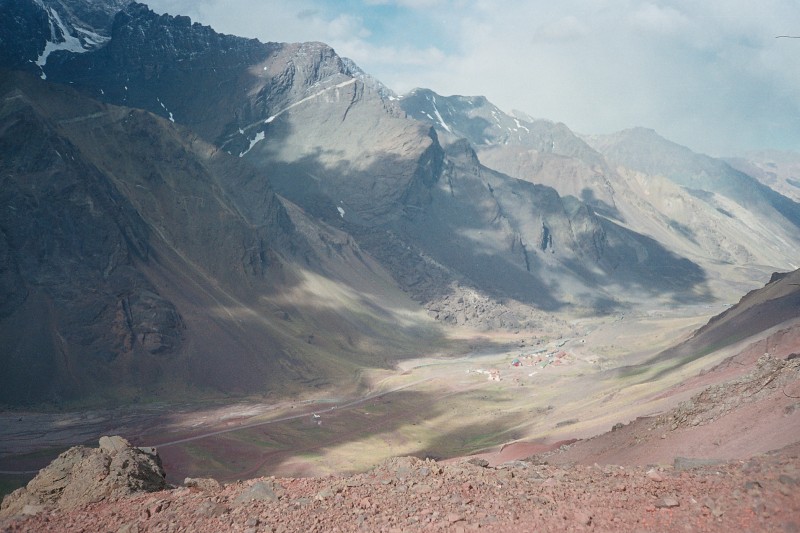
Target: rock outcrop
84	475
769	375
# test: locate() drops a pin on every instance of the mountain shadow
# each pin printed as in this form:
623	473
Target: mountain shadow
129	271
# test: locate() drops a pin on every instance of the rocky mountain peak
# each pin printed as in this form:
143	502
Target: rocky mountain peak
373	83
485	125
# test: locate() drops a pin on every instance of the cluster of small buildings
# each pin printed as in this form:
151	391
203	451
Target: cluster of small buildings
541	358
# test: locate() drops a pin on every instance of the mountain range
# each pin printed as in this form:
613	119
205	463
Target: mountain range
190	213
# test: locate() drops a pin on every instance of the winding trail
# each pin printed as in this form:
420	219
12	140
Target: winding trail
304	414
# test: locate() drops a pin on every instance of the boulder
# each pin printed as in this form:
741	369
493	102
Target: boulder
84	475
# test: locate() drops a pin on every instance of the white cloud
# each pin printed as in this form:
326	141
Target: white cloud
565	29
660	19
413	4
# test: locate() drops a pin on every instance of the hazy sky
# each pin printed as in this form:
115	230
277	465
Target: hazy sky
709	74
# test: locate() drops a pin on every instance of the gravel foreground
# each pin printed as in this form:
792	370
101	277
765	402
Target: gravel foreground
409	494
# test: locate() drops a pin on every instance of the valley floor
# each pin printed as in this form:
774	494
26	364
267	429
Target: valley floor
567	386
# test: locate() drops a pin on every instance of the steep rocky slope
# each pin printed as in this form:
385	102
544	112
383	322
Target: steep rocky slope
726	458
746	404
139	261
776	304
711	228
413	495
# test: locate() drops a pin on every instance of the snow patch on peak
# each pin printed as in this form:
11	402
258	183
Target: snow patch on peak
439	117
259	137
65	41
311	97
171	118
516	121
91	37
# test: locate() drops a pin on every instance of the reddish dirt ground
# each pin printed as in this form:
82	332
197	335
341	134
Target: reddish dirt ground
407	494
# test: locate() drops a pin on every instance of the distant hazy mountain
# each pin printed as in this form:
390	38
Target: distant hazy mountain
645	151
777	170
711	180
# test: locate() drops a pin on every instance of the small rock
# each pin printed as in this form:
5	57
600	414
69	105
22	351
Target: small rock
667	502
483	463
513	464
201	483
325	494
454	517
422	488
261	491
752	486
131	527
654	475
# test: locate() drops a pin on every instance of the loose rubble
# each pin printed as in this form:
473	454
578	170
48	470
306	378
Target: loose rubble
769	375
410	494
